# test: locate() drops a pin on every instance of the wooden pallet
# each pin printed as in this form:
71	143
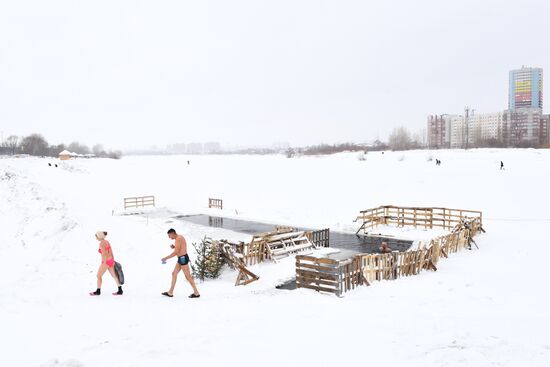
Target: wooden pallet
328	275
139	202
280	245
215	203
235	261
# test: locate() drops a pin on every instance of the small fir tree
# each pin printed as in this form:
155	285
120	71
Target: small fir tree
209	261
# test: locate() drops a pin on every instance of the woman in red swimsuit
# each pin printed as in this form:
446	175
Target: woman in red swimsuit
107	263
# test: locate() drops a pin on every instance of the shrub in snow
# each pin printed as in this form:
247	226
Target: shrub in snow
209	261
7	176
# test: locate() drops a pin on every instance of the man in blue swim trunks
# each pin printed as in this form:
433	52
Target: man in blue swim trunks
180	250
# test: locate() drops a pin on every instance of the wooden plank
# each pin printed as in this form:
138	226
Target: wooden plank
307	273
307	280
319	289
322	260
316	267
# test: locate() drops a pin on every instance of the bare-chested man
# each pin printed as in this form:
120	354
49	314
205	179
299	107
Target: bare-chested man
180	250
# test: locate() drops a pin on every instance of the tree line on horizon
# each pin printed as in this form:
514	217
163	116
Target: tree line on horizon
37	145
399	139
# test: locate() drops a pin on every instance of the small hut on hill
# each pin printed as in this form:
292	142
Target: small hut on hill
65	155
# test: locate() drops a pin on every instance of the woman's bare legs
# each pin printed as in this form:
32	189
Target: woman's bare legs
102	269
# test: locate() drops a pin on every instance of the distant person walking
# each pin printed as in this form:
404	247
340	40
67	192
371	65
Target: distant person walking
501	165
180	250
107	263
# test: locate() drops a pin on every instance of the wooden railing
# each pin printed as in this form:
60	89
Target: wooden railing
426	218
139	202
215	203
320	238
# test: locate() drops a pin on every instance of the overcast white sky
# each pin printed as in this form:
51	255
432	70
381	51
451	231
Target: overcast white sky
132	74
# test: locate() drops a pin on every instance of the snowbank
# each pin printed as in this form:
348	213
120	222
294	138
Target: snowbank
485	307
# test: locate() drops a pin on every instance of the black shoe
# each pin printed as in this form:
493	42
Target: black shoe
193	295
167	294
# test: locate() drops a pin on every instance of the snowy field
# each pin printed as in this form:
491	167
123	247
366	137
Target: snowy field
487	307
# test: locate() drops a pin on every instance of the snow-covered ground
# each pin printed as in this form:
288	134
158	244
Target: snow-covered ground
484	307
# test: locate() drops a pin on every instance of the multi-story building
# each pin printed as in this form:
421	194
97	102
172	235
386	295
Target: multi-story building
212	147
194	148
546	125
439	131
525	127
525	88
458	131
523	124
476	130
485	128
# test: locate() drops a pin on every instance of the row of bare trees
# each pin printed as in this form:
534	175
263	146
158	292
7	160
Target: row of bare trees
401	139
37	145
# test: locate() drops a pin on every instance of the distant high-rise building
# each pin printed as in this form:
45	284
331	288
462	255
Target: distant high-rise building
212	147
194	148
458	131
523	124
439	131
525	89
485	128
525	127
545	123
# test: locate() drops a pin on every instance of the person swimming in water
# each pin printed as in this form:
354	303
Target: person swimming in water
180	250
107	263
384	248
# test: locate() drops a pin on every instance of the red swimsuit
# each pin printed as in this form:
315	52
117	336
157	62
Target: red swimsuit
110	262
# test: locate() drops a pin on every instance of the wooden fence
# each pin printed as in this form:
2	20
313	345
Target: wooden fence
395	265
139	202
320	238
327	275
426	218
215	203
338	277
